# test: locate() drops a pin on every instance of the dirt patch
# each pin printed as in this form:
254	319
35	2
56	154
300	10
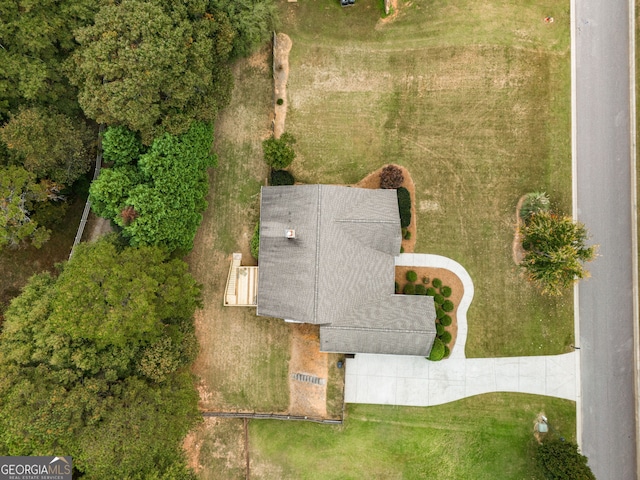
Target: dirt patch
392	13
280	76
448	278
218	441
101	227
305	398
373	181
517	251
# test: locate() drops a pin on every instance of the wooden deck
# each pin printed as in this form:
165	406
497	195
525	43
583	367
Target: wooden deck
242	284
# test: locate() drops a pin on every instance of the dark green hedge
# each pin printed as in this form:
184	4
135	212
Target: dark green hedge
446	320
439	299
431	291
445	291
445	337
421	289
439	329
412	276
281	177
404	205
447	306
437	282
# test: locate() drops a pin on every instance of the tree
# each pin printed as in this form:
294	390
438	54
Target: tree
121	146
153	66
95	379
391	177
158	200
278	152
555	249
561	460
35	39
49	144
252	20
19	194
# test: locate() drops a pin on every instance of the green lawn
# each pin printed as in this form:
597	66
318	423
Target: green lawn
484	437
474	99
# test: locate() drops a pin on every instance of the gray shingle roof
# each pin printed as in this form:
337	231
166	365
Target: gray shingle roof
339	269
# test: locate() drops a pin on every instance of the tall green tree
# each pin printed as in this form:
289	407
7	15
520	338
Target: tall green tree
279	152
555	251
252	20
35	40
562	460
97	385
153	66
160	197
19	196
49	144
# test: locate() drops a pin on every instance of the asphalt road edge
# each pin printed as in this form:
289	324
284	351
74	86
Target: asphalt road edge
634	217
574	202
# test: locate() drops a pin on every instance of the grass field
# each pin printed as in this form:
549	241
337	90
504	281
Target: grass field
243	361
474	99
484	437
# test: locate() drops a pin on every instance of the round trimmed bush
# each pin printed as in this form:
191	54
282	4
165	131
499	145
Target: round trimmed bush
439	299
431	291
447	306
445	291
407	235
445	337
437	351
439	313
439	329
421	289
447	352
281	177
397	290
437	282
412	276
280	101
446	320
409	289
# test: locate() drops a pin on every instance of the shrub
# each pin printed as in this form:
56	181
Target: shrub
439	329
431	291
391	177
447	352
280	101
255	242
281	177
278	152
447	306
407	235
533	203
562	460
404	231
404	206
445	291
121	146
439	312
437	283
409	289
421	289
401	249
446	320
445	337
437	350
412	276
397	287
439	299
425	280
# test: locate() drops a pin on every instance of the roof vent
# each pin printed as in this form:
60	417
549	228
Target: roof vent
290	234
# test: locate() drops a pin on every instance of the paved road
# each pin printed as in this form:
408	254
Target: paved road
603	201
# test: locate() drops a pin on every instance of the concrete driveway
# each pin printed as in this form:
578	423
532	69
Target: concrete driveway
415	381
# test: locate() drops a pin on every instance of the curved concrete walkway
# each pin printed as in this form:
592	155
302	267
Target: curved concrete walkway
415	381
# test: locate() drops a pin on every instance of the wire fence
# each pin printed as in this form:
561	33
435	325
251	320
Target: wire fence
272	416
87	206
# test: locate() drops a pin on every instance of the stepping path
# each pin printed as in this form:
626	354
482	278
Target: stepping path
415	381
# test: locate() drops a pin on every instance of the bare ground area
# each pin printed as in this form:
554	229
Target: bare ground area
306	398
280	77
448	278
